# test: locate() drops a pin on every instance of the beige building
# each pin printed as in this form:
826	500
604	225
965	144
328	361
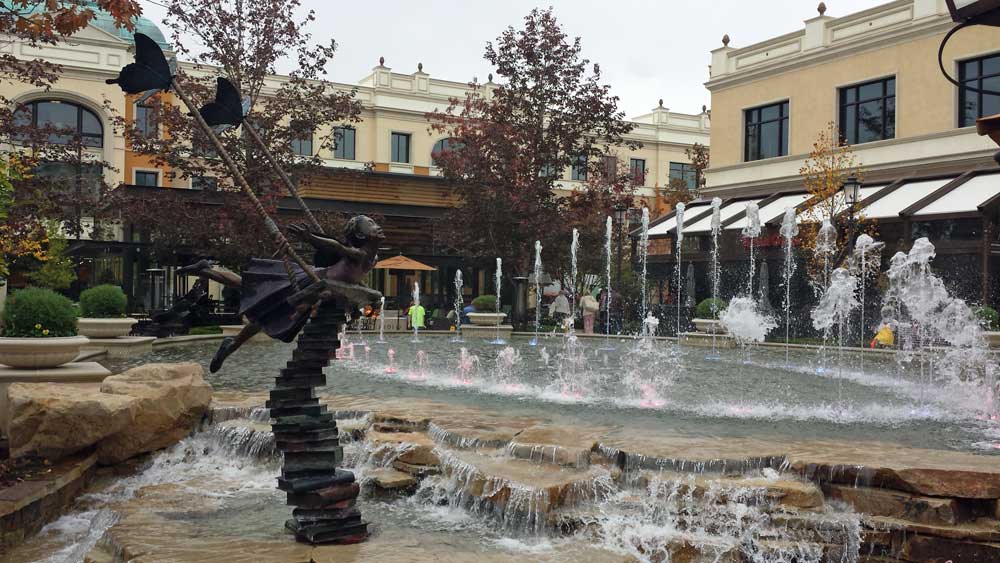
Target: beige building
874	74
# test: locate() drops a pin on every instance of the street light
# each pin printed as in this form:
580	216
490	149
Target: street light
973	10
852	190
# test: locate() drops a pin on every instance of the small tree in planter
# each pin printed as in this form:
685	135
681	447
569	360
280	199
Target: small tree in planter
707	315
103	312
486	311
39	330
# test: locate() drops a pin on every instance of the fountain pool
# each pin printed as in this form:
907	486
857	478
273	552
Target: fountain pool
720	398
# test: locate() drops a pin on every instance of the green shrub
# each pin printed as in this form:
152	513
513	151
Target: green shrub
704	309
990	317
485	304
38	313
103	302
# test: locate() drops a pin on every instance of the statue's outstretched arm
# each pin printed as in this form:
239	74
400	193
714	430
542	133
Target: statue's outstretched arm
321	242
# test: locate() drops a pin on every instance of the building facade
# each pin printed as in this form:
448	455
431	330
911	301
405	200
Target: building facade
383	164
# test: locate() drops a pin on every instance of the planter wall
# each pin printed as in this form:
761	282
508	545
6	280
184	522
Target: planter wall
486	319
104	328
40	353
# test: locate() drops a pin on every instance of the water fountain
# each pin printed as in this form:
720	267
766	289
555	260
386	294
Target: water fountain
643	259
608	296
574	247
826	248
716	228
863	247
391	368
538	290
459	303
679	236
497	279
381	321
789	230
744	319
834	309
416	303
467	363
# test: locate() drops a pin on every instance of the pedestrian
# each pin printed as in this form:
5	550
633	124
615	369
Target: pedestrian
560	307
416	314
589	307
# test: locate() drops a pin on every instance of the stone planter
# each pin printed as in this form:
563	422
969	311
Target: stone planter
992	339
40	353
104	328
709	326
486	319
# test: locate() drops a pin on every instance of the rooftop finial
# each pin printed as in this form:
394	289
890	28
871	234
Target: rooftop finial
381	61
661	102
704	108
725	40
821	8
490	77
420	67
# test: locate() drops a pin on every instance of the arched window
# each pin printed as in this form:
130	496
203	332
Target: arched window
443	146
65	120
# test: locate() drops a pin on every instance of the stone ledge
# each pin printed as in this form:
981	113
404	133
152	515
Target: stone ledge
26	507
121	347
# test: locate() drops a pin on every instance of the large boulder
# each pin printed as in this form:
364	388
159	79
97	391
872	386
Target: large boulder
172	398
55	420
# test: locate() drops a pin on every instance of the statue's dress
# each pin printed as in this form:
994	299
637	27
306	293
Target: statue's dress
266	288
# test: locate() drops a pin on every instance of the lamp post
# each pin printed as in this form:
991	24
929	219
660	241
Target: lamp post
620	221
852	194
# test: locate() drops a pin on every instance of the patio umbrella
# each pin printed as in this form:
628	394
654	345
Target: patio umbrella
403	263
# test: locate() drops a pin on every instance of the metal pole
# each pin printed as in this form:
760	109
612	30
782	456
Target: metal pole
281	172
242	183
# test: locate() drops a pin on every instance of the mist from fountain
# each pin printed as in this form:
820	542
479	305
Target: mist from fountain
679	236
789	230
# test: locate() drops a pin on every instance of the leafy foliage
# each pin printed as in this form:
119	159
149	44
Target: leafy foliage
512	139
989	317
704	308
56	271
38	313
103	302
485	303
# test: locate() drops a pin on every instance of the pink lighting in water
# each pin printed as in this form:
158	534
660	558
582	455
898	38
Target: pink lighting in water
392	362
650	399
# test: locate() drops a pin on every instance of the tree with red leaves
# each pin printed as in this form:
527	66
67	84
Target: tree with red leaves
511	140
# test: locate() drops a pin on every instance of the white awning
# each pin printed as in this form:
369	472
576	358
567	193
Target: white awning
727	212
966	198
903	197
667	227
772	210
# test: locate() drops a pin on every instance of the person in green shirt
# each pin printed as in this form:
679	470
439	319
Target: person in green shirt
417	315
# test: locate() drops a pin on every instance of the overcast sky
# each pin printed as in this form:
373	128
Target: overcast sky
647	49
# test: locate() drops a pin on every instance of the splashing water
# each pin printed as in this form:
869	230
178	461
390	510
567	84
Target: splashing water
391	368
751	231
381	320
574	247
745	321
864	246
467	363
416	303
503	375
497	278
418	372
538	290
643	258
716	229
608	233
834	309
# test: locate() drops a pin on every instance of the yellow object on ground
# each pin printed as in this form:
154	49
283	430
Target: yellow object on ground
883	337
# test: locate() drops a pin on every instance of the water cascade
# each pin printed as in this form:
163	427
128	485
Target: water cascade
497	278
789	229
459	288
679	230
643	257
538	290
716	228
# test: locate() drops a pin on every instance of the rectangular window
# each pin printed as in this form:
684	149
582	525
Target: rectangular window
983	74
343	143
868	111
303	146
765	132
145	121
637	169
609	165
579	170
400	147
683	172
206	183
147	178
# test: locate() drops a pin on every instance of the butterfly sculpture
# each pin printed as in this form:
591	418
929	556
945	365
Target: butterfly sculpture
228	109
150	73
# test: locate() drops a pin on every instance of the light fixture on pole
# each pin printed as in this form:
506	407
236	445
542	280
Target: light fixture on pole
620	213
852	190
976	11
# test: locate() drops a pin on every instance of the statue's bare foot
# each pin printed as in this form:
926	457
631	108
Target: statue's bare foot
199	266
226	348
